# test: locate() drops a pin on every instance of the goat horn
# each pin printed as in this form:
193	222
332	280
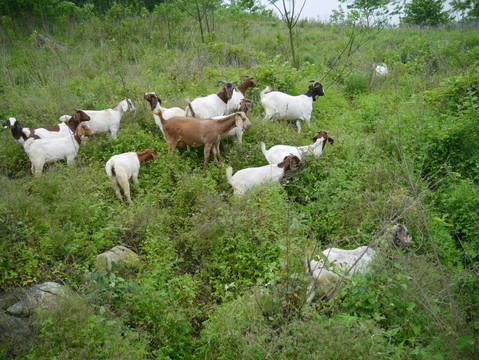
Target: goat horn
222	81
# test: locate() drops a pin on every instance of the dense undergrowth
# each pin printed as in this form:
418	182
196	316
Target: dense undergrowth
222	277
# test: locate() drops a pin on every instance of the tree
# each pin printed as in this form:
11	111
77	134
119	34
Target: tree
469	9
202	11
425	13
290	18
373	13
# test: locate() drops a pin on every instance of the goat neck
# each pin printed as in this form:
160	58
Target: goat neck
246	84
230	122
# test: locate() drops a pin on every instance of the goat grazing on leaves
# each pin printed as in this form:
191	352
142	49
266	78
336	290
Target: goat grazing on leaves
341	263
239	94
276	153
155	103
245	179
211	105
245	106
41	151
186	131
107	120
120	168
58	131
281	106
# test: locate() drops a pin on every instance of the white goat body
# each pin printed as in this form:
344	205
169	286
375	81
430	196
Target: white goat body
41	151
340	262
65	128
107	120
276	153
211	105
120	168
155	103
281	106
245	179
238	95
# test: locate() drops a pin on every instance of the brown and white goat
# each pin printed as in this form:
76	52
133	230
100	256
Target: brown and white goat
60	130
186	131
239	94
245	179
211	105
120	168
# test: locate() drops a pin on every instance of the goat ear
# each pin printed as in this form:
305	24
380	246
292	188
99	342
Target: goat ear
124	105
239	121
153	155
331	140
83	115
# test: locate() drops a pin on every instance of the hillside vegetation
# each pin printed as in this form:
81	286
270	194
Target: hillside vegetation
222	277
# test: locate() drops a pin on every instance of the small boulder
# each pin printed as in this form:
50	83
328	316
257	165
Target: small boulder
118	253
15	335
45	295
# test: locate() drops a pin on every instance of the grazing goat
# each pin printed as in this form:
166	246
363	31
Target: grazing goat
41	151
381	70
211	105
276	153
245	179
107	120
239	94
281	106
155	103
58	131
120	168
16	127
245	106
186	131
341	263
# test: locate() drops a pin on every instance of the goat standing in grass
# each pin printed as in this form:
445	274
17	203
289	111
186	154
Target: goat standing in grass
41	151
211	105
186	131
120	168
281	106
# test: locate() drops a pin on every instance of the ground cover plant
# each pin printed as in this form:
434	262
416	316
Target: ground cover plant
223	276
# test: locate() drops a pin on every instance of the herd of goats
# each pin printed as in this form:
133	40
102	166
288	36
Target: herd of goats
204	123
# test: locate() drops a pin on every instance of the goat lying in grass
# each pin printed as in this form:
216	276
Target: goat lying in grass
120	168
186	131
328	269
276	153
41	151
245	179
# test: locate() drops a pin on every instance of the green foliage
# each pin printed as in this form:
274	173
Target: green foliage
425	13
356	83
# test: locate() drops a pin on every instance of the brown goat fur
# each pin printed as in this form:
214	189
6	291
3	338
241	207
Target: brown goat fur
186	131
146	154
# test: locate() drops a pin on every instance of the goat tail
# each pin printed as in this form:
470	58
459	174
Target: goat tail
229	174
266	90
263	149
110	169
189	110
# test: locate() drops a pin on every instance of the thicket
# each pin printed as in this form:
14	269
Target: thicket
222	277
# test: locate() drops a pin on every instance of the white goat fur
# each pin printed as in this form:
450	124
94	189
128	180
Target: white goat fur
41	151
211	105
120	168
107	120
340	262
276	153
155	103
281	106
245	179
381	70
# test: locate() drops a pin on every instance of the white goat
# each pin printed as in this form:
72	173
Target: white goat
211	105
107	120
155	103
245	179
120	168
281	106
276	153
63	129
41	151
245	106
381	70
239	94
341	263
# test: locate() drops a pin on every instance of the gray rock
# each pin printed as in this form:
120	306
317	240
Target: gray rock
118	253
15	335
45	295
